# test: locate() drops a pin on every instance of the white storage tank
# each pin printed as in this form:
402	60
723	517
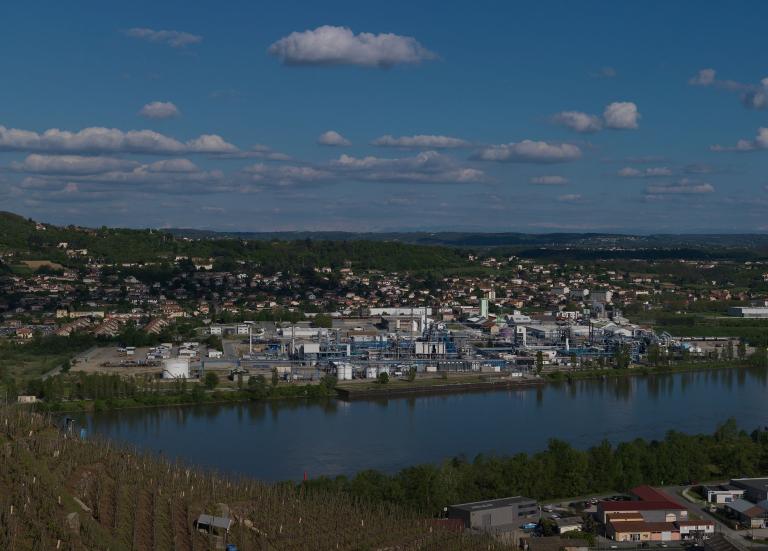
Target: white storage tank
344	372
177	368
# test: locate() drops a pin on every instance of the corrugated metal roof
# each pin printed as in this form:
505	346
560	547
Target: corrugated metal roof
215	522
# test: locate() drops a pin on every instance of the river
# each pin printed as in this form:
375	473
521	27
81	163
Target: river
283	440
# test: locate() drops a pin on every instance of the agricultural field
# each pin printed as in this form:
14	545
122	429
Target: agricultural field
60	492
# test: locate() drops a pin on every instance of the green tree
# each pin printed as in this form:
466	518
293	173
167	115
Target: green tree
328	382
741	350
211	380
621	356
383	378
214	341
548	527
412	374
257	386
539	362
275	377
654	354
759	357
323	320
198	394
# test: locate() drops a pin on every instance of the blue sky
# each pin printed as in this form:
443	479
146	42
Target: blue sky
504	116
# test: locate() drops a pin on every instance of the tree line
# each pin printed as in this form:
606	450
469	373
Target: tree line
562	471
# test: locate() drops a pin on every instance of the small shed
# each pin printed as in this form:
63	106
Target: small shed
213	525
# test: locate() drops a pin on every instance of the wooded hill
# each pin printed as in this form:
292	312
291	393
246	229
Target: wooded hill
31	240
385	251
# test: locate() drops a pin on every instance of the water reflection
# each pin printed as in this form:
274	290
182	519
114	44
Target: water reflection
279	440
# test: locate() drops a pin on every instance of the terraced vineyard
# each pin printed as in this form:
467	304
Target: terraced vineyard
59	492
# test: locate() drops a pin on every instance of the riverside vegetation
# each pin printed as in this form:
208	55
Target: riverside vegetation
78	391
562	471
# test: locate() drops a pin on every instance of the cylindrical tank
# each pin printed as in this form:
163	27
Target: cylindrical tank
176	368
344	372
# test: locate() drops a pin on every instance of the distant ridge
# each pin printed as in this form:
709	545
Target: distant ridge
18	233
500	239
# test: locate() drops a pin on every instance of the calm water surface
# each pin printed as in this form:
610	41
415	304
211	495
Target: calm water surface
276	441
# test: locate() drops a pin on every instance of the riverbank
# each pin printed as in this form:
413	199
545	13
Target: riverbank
639	371
419	387
189	398
470	383
372	390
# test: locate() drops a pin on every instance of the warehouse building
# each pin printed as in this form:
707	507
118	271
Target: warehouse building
755	489
751	312
496	515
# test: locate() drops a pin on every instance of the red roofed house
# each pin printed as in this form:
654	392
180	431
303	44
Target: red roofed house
24	333
642	531
650	516
647	493
664	511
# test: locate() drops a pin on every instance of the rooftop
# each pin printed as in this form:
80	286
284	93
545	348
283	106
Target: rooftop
752	483
629	506
647	493
642	526
214	522
494	503
745	507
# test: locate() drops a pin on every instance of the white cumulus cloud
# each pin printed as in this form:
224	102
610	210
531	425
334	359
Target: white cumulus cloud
420	141
175	39
752	96
97	140
160	110
258	151
173	165
650	172
333	138
286	175
425	167
70	164
760	142
549	180
681	187
705	77
329	45
529	151
578	121
621	115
